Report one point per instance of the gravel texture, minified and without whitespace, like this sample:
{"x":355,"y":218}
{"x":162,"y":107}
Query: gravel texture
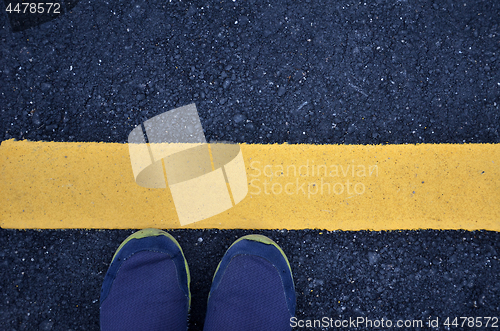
{"x":345,"y":72}
{"x":348,"y":72}
{"x":51,"y":279}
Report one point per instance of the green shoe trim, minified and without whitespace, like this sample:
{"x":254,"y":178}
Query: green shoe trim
{"x":262,"y":239}
{"x":154,"y":233}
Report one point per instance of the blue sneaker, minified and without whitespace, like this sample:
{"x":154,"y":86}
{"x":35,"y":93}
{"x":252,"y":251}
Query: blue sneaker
{"x":252,"y":288}
{"x":147,"y":285}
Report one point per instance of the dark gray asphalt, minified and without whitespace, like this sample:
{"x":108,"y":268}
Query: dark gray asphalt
{"x":259,"y":72}
{"x":52,"y":279}
{"x":340,"y":72}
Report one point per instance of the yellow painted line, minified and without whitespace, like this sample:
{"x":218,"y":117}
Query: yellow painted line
{"x":49,"y":185}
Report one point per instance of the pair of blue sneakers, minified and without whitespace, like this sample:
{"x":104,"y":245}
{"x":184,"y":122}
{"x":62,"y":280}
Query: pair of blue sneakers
{"x":147,"y":286}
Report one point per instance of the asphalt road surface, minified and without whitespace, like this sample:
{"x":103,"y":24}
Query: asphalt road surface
{"x":339,"y":72}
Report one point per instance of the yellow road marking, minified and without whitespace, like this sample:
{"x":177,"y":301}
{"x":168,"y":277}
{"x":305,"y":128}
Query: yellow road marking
{"x":49,"y":185}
